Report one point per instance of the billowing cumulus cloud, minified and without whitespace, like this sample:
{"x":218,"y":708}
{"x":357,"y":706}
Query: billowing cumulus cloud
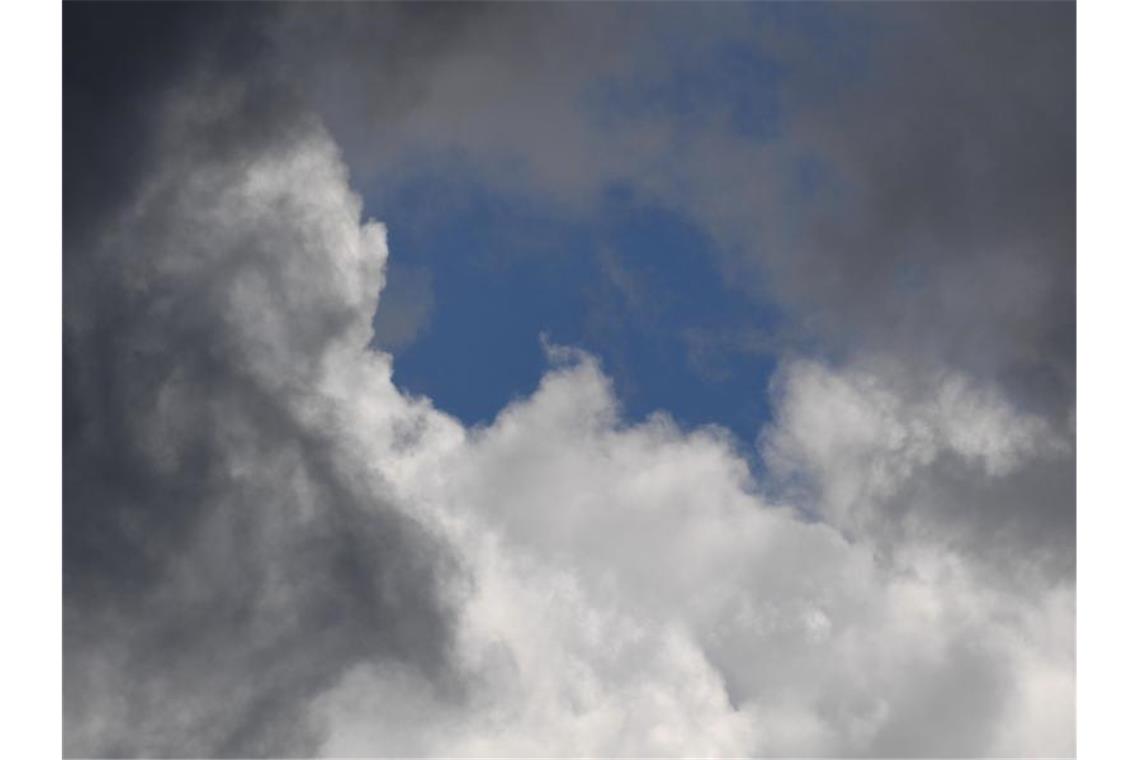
{"x":332,"y":566}
{"x":636,"y":592}
{"x":271,"y":550}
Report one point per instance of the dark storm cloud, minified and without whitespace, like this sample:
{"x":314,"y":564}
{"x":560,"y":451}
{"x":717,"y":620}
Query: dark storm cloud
{"x":224,"y":561}
{"x":119,"y":59}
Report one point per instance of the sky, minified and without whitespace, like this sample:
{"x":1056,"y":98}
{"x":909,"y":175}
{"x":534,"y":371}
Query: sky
{"x":634,"y":284}
{"x":569,"y":379}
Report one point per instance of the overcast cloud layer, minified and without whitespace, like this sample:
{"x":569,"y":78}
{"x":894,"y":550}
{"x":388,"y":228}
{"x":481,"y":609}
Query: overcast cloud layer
{"x":270,"y":550}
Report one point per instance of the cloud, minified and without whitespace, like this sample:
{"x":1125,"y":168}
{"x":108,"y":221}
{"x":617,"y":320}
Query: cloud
{"x":634,"y":592}
{"x":227,"y":556}
{"x":941,"y":213}
{"x":280,"y":549}
{"x":405,"y":312}
{"x":891,"y":453}
{"x":911,"y":189}
{"x":270,"y":550}
{"x":914,"y":194}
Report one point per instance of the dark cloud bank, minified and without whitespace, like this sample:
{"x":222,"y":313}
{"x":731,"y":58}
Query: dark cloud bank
{"x":204,"y":606}
{"x":269,"y":551}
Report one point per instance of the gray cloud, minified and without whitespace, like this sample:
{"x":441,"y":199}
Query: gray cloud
{"x":951,"y":230}
{"x":226,"y":558}
{"x":915,"y":197}
{"x":406,"y":312}
{"x":268,"y":550}
{"x":915,"y":193}
{"x":891,"y":455}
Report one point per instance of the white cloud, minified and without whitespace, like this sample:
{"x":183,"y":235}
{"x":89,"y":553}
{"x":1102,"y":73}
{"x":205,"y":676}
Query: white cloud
{"x":633,"y":592}
{"x":624,"y":588}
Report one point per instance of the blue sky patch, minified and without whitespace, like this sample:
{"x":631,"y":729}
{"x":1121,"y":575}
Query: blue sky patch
{"x":637,"y":285}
